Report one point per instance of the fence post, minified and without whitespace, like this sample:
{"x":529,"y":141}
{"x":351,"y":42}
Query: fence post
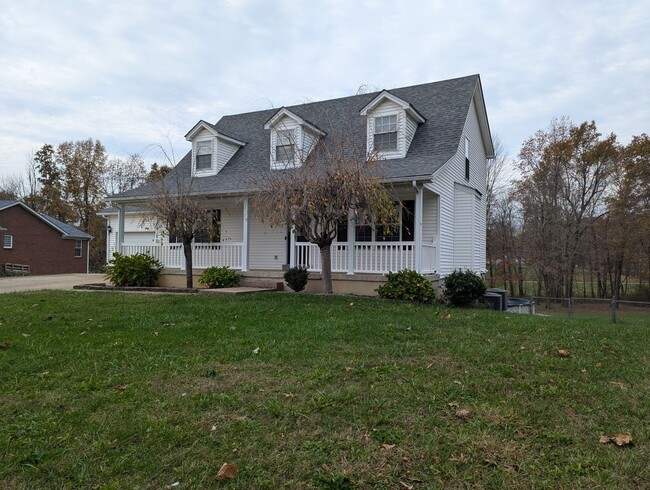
{"x":570,"y":306}
{"x":614,"y":308}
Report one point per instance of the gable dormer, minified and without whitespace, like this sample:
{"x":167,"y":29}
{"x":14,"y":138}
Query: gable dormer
{"x":211,"y":149}
{"x":391,"y":125}
{"x":292,"y":139}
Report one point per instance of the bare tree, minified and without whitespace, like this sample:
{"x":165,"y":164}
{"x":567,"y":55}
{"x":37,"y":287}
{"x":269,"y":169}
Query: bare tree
{"x":177,"y":210}
{"x":337,"y":177}
{"x":124,"y":174}
{"x":11,"y":186}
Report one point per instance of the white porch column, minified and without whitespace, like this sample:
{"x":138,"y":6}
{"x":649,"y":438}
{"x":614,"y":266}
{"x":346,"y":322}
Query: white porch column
{"x":292,"y":247}
{"x":352,"y":227}
{"x":244,"y":250}
{"x":419,"y":206}
{"x":119,"y":239}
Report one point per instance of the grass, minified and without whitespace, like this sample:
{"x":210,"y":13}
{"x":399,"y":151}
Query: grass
{"x":110,"y":390}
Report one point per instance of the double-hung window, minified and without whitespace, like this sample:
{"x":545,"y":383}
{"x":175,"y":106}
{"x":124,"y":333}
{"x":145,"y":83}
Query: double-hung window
{"x":203,"y":155}
{"x":8,"y":241}
{"x":285,"y":148}
{"x":466,"y":158}
{"x":385,"y":135}
{"x":78,"y":248}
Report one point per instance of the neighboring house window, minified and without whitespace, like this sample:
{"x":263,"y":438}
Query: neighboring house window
{"x":466,"y":158}
{"x":385,"y":136}
{"x":203,"y":155}
{"x":210,"y":232}
{"x":8,"y":241}
{"x":78,"y":248}
{"x":285,"y":148}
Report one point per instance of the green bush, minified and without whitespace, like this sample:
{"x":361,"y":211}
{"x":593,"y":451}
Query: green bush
{"x":407,"y":285}
{"x":133,"y":270}
{"x":219,"y":277}
{"x":296,"y":278}
{"x":463,"y":287}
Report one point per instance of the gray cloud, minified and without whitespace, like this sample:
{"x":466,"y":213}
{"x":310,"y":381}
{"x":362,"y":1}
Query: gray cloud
{"x":137,"y":74}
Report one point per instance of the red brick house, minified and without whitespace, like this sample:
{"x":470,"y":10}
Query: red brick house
{"x":45,"y":244}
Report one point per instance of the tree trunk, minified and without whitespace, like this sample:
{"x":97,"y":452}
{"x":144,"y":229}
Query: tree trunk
{"x":326,"y":268}
{"x":187,"y":252}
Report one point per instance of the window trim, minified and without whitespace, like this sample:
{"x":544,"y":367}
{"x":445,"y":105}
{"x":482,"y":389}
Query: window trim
{"x":197,"y":146}
{"x":10,"y":241}
{"x":290,"y":135}
{"x":78,"y":249}
{"x":396,"y":132}
{"x":467,"y":166}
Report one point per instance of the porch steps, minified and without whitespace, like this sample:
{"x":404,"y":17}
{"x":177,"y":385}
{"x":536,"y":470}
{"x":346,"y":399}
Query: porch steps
{"x":263,"y":279}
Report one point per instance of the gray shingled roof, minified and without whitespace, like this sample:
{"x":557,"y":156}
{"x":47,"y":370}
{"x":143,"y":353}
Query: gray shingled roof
{"x":67,"y":230}
{"x":444,"y":104}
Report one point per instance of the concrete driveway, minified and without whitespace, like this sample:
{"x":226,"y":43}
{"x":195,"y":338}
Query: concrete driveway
{"x":56,"y":281}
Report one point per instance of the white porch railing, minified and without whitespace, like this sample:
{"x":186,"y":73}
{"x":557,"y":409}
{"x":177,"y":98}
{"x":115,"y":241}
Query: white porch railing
{"x":369,"y":257}
{"x":203,"y":254}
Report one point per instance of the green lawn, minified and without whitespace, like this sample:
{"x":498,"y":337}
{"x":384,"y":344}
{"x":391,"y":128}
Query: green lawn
{"x":111,"y":390}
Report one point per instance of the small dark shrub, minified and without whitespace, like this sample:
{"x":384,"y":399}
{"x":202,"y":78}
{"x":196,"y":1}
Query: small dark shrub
{"x":219,"y":277}
{"x":463,"y":287}
{"x":133,"y":270}
{"x":407,"y":285}
{"x":296,"y":278}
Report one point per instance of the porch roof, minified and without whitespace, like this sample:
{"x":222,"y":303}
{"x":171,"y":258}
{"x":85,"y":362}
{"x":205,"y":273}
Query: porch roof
{"x":443,"y":104}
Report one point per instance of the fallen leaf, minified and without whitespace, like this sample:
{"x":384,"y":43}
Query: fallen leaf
{"x":622,"y":439}
{"x":290,"y":395}
{"x":519,"y":435}
{"x":174,"y":485}
{"x":404,"y":485}
{"x":570,"y":412}
{"x":156,"y":334}
{"x":620,"y":384}
{"x":26,"y":335}
{"x":256,"y":350}
{"x":430,"y":365}
{"x":47,"y":318}
{"x":458,"y":459}
{"x":446,"y":315}
{"x":618,"y":439}
{"x":348,"y":369}
{"x":452,"y":405}
{"x":214,"y":427}
{"x":462,"y":414}
{"x":563,"y":353}
{"x":121,"y":387}
{"x":228,"y":470}
{"x":388,"y":447}
{"x":34,"y":305}
{"x":351,"y":304}
{"x":5,"y":345}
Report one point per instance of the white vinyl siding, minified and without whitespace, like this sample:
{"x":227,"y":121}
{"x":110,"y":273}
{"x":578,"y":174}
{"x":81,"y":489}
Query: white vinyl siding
{"x":411,"y":127}
{"x":464,"y":225}
{"x":268,"y":246}
{"x":225,"y":152}
{"x":430,"y":218}
{"x":443,"y":184}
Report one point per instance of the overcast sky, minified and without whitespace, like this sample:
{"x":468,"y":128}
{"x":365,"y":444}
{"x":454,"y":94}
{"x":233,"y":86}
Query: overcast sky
{"x":141,"y":73}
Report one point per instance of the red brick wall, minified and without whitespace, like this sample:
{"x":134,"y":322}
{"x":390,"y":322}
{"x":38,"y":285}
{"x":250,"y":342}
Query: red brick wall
{"x":38,"y":245}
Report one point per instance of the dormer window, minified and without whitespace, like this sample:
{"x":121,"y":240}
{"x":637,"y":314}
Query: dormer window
{"x":391,"y":125}
{"x":292,"y":139}
{"x":385,"y":137}
{"x":285,"y":147}
{"x":203,"y":155}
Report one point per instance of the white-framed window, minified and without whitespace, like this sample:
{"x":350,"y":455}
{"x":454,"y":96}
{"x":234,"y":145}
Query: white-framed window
{"x":78,"y":248}
{"x":8,"y":241}
{"x":385,"y":133}
{"x":285,"y":146}
{"x":467,"y":158}
{"x":203,"y":158}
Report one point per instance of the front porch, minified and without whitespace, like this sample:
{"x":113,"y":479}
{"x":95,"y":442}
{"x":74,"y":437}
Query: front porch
{"x":360,"y":258}
{"x":245,"y":243}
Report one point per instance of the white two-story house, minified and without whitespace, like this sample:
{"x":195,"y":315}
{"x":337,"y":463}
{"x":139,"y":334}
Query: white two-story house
{"x":433,"y":139}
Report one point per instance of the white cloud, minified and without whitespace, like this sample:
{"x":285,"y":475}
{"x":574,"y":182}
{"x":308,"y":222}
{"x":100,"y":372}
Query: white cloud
{"x":133,"y":74}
